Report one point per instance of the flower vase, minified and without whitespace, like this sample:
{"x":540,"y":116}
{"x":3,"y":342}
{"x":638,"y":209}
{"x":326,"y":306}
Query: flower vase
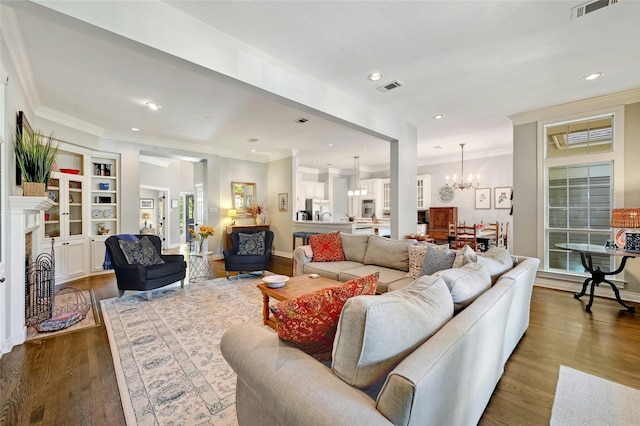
{"x":200,"y":243}
{"x":258,"y":220}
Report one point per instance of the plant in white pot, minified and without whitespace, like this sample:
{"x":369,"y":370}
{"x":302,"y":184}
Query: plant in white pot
{"x":35,"y":159}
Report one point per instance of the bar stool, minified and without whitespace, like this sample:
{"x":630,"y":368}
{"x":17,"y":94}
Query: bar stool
{"x":302,"y":236}
{"x":306,"y":237}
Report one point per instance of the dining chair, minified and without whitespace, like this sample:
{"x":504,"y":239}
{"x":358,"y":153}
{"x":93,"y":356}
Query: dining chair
{"x":465,"y":235}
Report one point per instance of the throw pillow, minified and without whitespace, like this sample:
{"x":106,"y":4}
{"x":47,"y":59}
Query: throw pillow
{"x":251,"y":244}
{"x":495,"y":266}
{"x":327,"y":247}
{"x":436,"y":260}
{"x":140,"y":252}
{"x":377,"y":332}
{"x":309,"y":321}
{"x":389,"y":253}
{"x":416,"y":257}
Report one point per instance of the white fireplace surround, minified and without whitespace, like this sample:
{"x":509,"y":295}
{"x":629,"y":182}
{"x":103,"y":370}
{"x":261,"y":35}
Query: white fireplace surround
{"x":26,"y":216}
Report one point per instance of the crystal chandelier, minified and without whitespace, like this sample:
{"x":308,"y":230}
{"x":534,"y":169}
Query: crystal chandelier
{"x":462,"y":184}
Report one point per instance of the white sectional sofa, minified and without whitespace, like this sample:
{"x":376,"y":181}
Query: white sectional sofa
{"x":446,"y":379}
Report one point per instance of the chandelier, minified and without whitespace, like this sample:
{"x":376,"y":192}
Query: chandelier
{"x":462,"y":184}
{"x":357,"y":190}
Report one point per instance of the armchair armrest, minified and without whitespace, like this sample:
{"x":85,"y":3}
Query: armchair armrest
{"x":300,"y":258}
{"x":130,"y":273}
{"x":292,"y":386}
{"x":172,"y":257}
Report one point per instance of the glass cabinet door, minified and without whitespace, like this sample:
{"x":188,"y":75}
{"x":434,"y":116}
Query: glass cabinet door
{"x":52,"y":217}
{"x":75,"y":209}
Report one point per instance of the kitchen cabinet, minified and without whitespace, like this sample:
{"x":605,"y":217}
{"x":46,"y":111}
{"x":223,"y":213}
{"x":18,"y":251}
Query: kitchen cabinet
{"x":70,"y":258}
{"x":313,"y":190}
{"x":424,"y":192}
{"x":439,"y":220}
{"x":386,"y":194}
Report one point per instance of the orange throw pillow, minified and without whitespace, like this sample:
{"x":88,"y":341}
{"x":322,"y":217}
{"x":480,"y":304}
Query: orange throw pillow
{"x":309,"y":322}
{"x":327,"y":247}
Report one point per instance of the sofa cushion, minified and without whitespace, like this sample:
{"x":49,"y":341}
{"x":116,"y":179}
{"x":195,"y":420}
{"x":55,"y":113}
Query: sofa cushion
{"x":251,"y":244}
{"x":465,"y":283}
{"x":387,"y":275}
{"x":354,"y":246}
{"x":330,"y":269}
{"x":327,"y":247}
{"x":141,"y":252}
{"x":376,"y":332}
{"x":416,"y":257}
{"x":393,"y":254}
{"x":436,"y":260}
{"x":497,"y":261}
{"x":309,"y":321}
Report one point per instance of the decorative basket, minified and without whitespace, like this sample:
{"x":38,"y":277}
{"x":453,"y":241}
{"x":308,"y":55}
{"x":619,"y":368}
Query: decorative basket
{"x":33,"y":189}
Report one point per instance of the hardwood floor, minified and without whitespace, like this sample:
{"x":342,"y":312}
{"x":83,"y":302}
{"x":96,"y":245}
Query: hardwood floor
{"x":70,"y":379}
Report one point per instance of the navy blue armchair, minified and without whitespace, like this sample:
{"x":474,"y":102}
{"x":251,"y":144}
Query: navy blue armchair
{"x":233,"y":261}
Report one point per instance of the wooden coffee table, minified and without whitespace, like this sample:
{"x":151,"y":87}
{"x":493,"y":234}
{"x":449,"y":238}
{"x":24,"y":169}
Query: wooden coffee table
{"x":296,"y":286}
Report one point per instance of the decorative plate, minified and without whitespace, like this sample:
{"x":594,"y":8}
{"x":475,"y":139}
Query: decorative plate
{"x":52,"y":196}
{"x":621,"y":238}
{"x":108,"y":213}
{"x":275,"y":281}
{"x":446,"y":194}
{"x":96,"y":213}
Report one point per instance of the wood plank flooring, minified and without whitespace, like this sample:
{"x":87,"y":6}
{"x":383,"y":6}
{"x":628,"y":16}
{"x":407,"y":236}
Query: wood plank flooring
{"x":70,"y":379}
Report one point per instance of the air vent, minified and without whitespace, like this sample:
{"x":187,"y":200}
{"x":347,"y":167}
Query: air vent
{"x":302,"y":120}
{"x":390,"y":86}
{"x":592,"y":6}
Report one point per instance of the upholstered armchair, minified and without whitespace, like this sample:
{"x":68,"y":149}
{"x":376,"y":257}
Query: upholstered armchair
{"x":250,"y":251}
{"x":137,"y":276}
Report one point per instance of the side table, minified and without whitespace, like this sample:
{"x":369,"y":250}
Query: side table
{"x":199,"y":266}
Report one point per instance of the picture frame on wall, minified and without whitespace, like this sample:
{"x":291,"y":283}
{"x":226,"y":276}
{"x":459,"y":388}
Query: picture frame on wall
{"x":483,"y":198}
{"x":502,"y":198}
{"x":174,"y":204}
{"x":146,"y":203}
{"x":283,"y":202}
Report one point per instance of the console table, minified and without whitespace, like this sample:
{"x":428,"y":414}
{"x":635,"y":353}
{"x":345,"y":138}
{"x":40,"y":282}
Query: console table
{"x":598,"y":276}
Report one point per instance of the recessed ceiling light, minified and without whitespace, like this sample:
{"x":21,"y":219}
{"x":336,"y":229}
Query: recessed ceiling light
{"x":437,"y":147}
{"x":153,"y":106}
{"x":438,"y":117}
{"x":593,"y":76}
{"x":375,"y":76}
{"x":135,"y":129}
{"x":330,"y":144}
{"x":253,"y":150}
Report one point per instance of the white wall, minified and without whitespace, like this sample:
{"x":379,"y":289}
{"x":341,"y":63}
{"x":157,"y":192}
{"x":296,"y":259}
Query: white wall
{"x":280,"y":177}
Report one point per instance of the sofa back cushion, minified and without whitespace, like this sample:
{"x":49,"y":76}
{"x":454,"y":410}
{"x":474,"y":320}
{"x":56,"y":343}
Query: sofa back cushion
{"x":497,"y":261}
{"x":354,"y":246}
{"x":376,"y":332}
{"x":309,"y":321}
{"x":388,"y":253}
{"x":465,"y":283}
{"x":327,"y":247}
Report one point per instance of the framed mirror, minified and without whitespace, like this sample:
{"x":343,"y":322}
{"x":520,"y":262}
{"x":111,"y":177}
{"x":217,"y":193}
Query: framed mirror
{"x":243,"y":197}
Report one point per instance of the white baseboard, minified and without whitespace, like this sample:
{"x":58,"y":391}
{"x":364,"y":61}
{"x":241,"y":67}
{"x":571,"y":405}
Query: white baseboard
{"x":288,"y":255}
{"x":603,"y":290}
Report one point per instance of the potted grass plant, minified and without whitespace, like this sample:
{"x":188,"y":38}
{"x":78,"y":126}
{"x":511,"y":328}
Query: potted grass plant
{"x":35,"y":159}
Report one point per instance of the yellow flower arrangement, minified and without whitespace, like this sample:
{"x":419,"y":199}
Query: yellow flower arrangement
{"x":203,"y":233}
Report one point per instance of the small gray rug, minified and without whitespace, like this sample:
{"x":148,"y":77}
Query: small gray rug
{"x":166,"y":351}
{"x":583,"y":399}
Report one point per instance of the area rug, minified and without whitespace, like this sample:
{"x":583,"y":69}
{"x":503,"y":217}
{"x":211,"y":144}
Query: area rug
{"x":92,"y":318}
{"x":166,"y":351}
{"x":583,"y":399}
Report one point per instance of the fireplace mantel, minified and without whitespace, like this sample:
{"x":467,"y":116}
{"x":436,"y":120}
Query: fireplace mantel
{"x":25,"y":217}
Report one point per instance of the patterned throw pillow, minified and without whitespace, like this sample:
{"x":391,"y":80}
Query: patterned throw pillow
{"x":251,"y":244}
{"x":416,"y":257}
{"x":327,"y":247}
{"x":140,"y":252}
{"x":309,"y":322}
{"x":436,"y":260}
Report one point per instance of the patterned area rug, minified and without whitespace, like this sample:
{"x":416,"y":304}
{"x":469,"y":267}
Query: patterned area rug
{"x":166,"y":352}
{"x":583,"y":399}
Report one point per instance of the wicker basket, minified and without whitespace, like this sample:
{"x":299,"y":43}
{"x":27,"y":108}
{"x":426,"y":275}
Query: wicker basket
{"x":33,"y":189}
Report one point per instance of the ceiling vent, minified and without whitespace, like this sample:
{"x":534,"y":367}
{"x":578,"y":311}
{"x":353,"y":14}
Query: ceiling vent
{"x":592,"y":6}
{"x":390,"y":86}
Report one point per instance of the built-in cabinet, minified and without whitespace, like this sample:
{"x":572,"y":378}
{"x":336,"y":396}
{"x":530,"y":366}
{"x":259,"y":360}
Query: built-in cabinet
{"x":309,"y":189}
{"x":85,"y":212}
{"x":424,"y":192}
{"x":380,"y":191}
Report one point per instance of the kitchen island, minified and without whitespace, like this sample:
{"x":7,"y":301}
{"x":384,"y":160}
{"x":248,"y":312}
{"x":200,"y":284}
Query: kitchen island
{"x":356,"y":227}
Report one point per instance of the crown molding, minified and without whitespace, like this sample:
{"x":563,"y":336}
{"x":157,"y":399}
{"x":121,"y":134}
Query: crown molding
{"x":59,"y":117}
{"x":11,"y":33}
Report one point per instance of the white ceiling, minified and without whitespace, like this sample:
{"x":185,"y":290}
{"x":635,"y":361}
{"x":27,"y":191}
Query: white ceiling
{"x":476,"y":62}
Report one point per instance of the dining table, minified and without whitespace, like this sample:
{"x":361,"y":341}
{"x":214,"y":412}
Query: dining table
{"x":598,"y":276}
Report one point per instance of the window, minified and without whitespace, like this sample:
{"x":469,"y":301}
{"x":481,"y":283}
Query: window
{"x":579,"y":169}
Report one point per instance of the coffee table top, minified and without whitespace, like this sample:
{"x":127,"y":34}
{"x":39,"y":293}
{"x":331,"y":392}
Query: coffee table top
{"x":297,"y":286}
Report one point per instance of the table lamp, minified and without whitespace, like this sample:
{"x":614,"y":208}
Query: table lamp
{"x":232,"y":213}
{"x":146,"y":216}
{"x":629,"y":221}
